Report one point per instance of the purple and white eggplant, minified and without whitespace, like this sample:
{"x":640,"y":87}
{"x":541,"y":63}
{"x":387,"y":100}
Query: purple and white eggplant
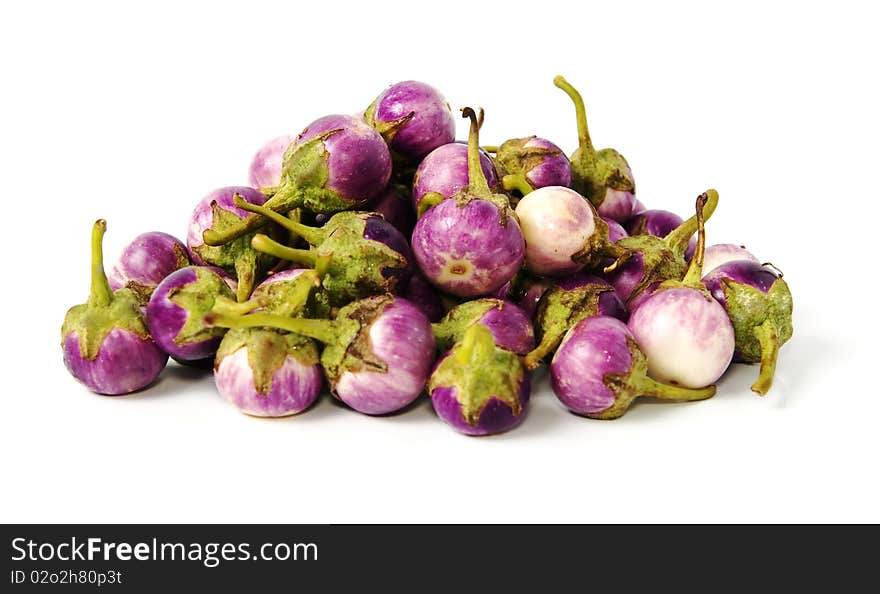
{"x":616,"y":232}
{"x":414,"y":118}
{"x":562,"y":232}
{"x":526,"y":164}
{"x":685,"y":334}
{"x":598,"y":370}
{"x":444,"y":173}
{"x":509,"y":325}
{"x":144,"y":262}
{"x":722,"y":253}
{"x":176,"y":310}
{"x":759,"y":305}
{"x":105,"y":342}
{"x":217,"y":212}
{"x":478,"y":387}
{"x":378,"y":351}
{"x":265,"y":169}
{"x":654,"y":260}
{"x":357,"y":254}
{"x":337,"y":163}
{"x":603,"y":177}
{"x":569,"y":301}
{"x":471,"y":244}
{"x":659,"y":223}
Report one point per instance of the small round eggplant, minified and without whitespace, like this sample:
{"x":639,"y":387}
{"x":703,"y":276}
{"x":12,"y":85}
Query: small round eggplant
{"x":265,"y":169}
{"x":526,"y":164}
{"x":759,"y":304}
{"x":105,"y":342}
{"x":478,"y":387}
{"x":722,"y":253}
{"x":599,"y":370}
{"x":394,"y":204}
{"x":146,"y":261}
{"x":511,"y":328}
{"x":444,"y":173}
{"x":659,"y":223}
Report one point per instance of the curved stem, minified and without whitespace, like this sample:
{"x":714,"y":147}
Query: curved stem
{"x":768,"y":336}
{"x":428,"y":201}
{"x":549,"y":342}
{"x":695,"y":269}
{"x":476,"y":179}
{"x":476,"y":344}
{"x":226,"y":306}
{"x":678,"y":238}
{"x":285,"y":199}
{"x":584,"y":140}
{"x":490,"y":148}
{"x":518,"y":182}
{"x":323,"y":330}
{"x":264,"y":244}
{"x":645,"y":386}
{"x":310,"y":234}
{"x":246,"y":274}
{"x":101,"y":294}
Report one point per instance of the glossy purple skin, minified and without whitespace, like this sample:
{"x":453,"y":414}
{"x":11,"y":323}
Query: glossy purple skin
{"x":265,"y":169}
{"x":552,"y":171}
{"x":721,"y":253}
{"x":378,"y":229}
{"x":610,"y":303}
{"x":432,"y":124}
{"x":421,"y":294}
{"x":532,"y":296}
{"x":358,"y":160}
{"x":147,"y":260}
{"x":617,"y":205}
{"x":125,"y":363}
{"x":616,"y":231}
{"x":294,"y":386}
{"x":496,"y":417}
{"x":465,"y":250}
{"x":744,"y":272}
{"x":591,"y":349}
{"x":203,"y":215}
{"x":396,"y":208}
{"x":511,"y":328}
{"x":402,"y":337}
{"x":445,"y":171}
{"x":627,"y":276}
{"x":165,"y":319}
{"x":638,"y":206}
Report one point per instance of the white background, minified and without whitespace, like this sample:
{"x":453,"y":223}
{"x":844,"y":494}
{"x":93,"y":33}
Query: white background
{"x":133,"y":114}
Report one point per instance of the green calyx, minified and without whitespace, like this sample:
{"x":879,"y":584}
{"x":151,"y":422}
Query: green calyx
{"x":692,"y":278}
{"x":627,"y":387}
{"x":105,"y":309}
{"x":453,"y":326}
{"x":198,"y":299}
{"x":558,"y":311}
{"x":237,"y":256}
{"x":761,"y":324}
{"x":388,"y":130}
{"x":478,"y":187}
{"x":514,"y":160}
{"x":267,"y":351}
{"x":593,"y":172}
{"x":597,"y":247}
{"x":478,"y":370}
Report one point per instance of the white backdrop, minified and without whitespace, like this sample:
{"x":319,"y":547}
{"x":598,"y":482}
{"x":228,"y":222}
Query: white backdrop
{"x":133,"y":114}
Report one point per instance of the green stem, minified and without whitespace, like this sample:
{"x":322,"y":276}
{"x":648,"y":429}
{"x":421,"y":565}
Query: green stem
{"x":286,"y":199}
{"x":549,"y":342}
{"x":246,"y":274}
{"x":645,"y":386}
{"x":428,"y":201}
{"x":476,"y":344}
{"x":678,"y":239}
{"x":323,"y":330}
{"x":101,"y":294}
{"x":477,"y":183}
{"x":263,"y":243}
{"x":490,"y":148}
{"x":224,"y":305}
{"x":518,"y":182}
{"x":584,"y":140}
{"x":695,"y":269}
{"x":310,"y":234}
{"x":768,"y":336}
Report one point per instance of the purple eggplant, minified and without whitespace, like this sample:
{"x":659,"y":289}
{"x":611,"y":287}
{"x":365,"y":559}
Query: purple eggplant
{"x":722,"y":253}
{"x":616,"y":232}
{"x":659,"y":223}
{"x":424,"y":296}
{"x":598,"y":370}
{"x":478,"y":387}
{"x":526,"y":164}
{"x":759,"y":305}
{"x":511,"y":328}
{"x":603,"y":177}
{"x":414,"y":118}
{"x":219,"y":211}
{"x":562,"y":232}
{"x":378,"y":351}
{"x":105,"y":342}
{"x":394,"y":204}
{"x":655,"y":259}
{"x":685,"y":334}
{"x":569,"y":301}
{"x":265,"y":169}
{"x":337,"y":163}
{"x":444,"y":173}
{"x":176,"y":310}
{"x":357,"y":253}
{"x":144,"y":262}
{"x":469,"y":245}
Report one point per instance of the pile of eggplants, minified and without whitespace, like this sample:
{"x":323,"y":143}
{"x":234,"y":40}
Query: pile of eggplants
{"x":374,"y":257}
